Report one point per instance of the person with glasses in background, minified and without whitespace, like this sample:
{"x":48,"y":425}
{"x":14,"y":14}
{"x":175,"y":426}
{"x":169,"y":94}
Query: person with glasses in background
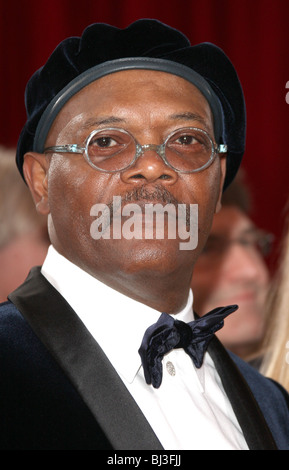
{"x":100,"y":347}
{"x":232,"y":266}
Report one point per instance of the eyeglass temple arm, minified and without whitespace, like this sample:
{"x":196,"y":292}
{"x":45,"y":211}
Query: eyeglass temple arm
{"x":70,"y":148}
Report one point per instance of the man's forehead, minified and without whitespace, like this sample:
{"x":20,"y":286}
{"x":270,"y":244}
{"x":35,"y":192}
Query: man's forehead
{"x":124,"y":79}
{"x":111,"y":99}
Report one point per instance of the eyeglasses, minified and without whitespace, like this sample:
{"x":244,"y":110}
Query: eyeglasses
{"x":186,"y":150}
{"x":258,"y":240}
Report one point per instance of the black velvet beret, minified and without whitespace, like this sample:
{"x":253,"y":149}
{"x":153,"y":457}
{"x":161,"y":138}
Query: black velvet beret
{"x":145,"y":44}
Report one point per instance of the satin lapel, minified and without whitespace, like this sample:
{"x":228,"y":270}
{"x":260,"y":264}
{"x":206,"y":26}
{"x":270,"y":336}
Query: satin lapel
{"x":248,"y":413}
{"x":84,"y":362}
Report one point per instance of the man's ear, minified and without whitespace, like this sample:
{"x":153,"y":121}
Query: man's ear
{"x":35,"y":169}
{"x":223,"y":159}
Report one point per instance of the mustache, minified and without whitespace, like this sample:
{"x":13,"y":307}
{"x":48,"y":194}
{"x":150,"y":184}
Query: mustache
{"x":158,"y":194}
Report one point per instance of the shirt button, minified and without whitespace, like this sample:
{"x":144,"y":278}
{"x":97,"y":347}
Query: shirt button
{"x":170,"y":368}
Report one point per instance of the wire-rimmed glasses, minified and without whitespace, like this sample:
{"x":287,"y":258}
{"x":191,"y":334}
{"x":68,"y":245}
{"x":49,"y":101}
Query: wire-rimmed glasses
{"x":110,"y":150}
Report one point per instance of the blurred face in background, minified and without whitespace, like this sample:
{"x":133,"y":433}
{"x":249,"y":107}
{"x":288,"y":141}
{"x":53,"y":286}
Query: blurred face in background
{"x":232,"y":270}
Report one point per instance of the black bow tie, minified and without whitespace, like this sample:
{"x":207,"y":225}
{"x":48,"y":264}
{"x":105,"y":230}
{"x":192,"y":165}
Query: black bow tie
{"x":167,"y":334}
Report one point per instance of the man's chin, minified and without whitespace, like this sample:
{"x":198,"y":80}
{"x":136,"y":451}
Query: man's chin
{"x":158,"y":255}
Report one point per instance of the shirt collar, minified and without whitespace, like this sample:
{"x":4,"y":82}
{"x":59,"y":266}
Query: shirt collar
{"x":116,"y":321}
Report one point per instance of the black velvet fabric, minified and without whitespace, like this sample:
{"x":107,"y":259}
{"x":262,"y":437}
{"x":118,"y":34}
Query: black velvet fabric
{"x":144,"y":38}
{"x":39,"y":407}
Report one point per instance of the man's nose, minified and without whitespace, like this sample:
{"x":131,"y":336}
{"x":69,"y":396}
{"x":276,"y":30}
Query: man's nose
{"x":149,"y":167}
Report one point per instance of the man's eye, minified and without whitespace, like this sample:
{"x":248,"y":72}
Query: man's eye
{"x":186,"y":140}
{"x":247,"y":242}
{"x":189,"y":141}
{"x":104,"y":142}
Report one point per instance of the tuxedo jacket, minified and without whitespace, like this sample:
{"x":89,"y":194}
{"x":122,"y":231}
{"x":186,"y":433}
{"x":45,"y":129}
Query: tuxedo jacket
{"x":58,"y":391}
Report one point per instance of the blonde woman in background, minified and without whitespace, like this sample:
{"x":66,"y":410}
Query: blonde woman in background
{"x":276,"y":344}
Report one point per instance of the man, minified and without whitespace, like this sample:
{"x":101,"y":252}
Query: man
{"x":232,"y":267}
{"x":118,"y":121}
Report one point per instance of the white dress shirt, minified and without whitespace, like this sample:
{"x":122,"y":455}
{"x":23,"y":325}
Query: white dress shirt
{"x":190,"y":410}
